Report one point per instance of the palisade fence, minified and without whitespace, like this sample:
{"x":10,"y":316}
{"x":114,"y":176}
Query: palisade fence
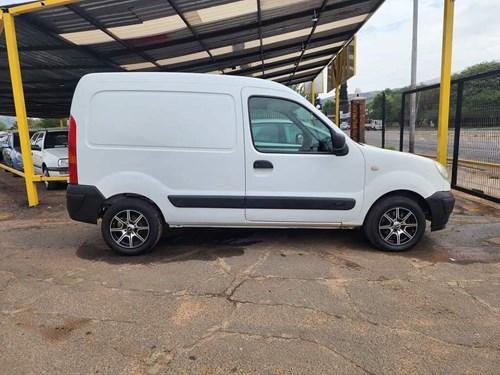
{"x":474,"y":131}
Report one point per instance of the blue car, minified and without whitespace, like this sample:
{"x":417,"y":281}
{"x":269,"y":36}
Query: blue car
{"x":11,"y":151}
{"x":3,"y":139}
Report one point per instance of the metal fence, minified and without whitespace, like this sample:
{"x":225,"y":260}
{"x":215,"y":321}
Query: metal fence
{"x":386,"y":129}
{"x":474,"y":131}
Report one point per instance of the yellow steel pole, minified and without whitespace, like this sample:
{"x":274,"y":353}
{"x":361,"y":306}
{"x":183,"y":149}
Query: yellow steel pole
{"x":312,"y":92}
{"x":22,"y":120}
{"x":38,"y":5}
{"x":337,"y":105}
{"x":355,"y":52}
{"x":444,"y":92}
{"x":61,"y":123}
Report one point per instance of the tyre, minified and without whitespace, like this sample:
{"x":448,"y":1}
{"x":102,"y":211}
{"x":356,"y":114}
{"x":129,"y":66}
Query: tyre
{"x":49,"y":185}
{"x":132,"y":226}
{"x":395,"y":223}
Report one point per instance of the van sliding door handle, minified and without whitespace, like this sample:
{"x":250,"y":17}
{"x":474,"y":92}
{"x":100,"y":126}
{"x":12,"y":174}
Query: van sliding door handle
{"x":262,"y":164}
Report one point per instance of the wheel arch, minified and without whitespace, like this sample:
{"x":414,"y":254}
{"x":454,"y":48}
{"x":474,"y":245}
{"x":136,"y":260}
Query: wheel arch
{"x":408,"y":194}
{"x":119,"y":197}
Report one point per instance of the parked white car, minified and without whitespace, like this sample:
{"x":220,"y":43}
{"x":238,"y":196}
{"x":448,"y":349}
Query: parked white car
{"x":374,"y":125}
{"x":148,"y":151}
{"x":344,"y":126}
{"x":49,"y":150}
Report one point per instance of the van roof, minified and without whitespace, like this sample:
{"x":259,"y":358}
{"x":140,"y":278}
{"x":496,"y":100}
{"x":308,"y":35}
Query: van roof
{"x":196,"y":78}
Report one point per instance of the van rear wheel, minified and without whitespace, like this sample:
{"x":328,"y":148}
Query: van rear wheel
{"x":395,"y":223}
{"x":132,"y":226}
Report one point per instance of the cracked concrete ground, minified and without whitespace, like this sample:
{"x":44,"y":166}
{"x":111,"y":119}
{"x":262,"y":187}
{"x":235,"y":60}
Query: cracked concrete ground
{"x":223,"y":301}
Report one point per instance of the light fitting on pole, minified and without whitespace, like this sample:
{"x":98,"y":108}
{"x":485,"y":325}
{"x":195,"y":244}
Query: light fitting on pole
{"x":314,"y":17}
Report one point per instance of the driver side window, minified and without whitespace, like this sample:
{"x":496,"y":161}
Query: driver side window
{"x":39,"y":141}
{"x":283,"y":126}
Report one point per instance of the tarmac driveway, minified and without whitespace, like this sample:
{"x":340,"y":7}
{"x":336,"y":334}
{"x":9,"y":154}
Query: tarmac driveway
{"x":210,"y":301}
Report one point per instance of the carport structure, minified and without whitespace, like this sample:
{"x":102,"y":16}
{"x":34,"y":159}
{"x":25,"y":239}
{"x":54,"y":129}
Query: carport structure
{"x":55,"y":42}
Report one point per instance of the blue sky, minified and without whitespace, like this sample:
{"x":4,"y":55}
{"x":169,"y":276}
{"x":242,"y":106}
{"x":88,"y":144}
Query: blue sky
{"x":384,"y":43}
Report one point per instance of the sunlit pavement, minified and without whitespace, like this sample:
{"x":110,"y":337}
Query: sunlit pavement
{"x":219,"y":301}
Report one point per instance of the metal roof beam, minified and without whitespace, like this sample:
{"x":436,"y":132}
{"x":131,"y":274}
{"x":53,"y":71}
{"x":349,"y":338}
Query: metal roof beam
{"x":43,"y":48}
{"x":87,"y":17}
{"x":193,"y":31}
{"x":236,"y":60}
{"x":265,"y":23}
{"x":310,"y":37}
{"x":58,"y":67}
{"x":259,"y":20}
{"x":296,"y":80}
{"x":36,"y":6}
{"x":326,"y":54}
{"x":305,"y":67}
{"x":89,"y":52}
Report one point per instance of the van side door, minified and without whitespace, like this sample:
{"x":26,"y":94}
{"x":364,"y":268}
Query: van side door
{"x":292,"y":175}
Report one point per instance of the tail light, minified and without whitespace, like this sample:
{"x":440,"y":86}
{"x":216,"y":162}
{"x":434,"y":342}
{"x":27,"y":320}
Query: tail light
{"x":73,"y":172}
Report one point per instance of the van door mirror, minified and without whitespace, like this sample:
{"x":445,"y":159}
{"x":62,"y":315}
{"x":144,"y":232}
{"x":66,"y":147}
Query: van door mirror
{"x":340,"y":147}
{"x":35,"y":148}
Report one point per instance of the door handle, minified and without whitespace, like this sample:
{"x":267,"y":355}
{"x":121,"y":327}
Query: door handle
{"x":262,"y":164}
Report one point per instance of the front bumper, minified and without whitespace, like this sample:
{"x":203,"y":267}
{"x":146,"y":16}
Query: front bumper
{"x":84,"y":203}
{"x":440,"y":206}
{"x":58,"y":171}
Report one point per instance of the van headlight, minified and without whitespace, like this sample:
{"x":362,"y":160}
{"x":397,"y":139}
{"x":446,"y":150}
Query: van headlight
{"x":62,"y":162}
{"x":442,"y":170}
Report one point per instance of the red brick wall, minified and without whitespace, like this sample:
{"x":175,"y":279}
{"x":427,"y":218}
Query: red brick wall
{"x":358,"y":107}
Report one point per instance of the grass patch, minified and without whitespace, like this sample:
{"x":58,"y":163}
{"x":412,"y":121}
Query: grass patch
{"x":390,"y":148}
{"x":495,"y":177}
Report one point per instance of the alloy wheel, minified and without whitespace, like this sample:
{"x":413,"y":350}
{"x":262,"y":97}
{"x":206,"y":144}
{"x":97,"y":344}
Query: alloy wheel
{"x":398,"y":226}
{"x":129,"y":229}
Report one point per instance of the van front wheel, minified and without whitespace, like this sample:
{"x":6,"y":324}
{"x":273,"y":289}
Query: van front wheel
{"x":131,"y":226}
{"x":395,"y":223}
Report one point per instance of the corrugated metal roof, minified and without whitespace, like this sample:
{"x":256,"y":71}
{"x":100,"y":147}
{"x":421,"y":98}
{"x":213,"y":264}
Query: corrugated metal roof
{"x":289,"y":41}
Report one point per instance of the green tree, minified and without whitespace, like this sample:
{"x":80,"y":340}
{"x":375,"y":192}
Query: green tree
{"x":329,"y":107}
{"x":31,"y":124}
{"x":392,"y":106}
{"x":480,"y":96}
{"x":48,"y":123}
{"x":482,"y":67}
{"x":3,"y":127}
{"x":479,"y":108}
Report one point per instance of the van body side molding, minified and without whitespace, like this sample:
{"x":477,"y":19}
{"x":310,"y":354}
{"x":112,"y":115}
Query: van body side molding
{"x":207,"y":201}
{"x":283,"y":203}
{"x":300,"y":203}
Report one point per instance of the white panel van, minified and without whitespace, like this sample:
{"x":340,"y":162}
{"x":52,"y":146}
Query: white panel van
{"x":148,"y":151}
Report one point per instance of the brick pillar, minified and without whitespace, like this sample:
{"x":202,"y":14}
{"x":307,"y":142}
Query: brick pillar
{"x":358,"y":106}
